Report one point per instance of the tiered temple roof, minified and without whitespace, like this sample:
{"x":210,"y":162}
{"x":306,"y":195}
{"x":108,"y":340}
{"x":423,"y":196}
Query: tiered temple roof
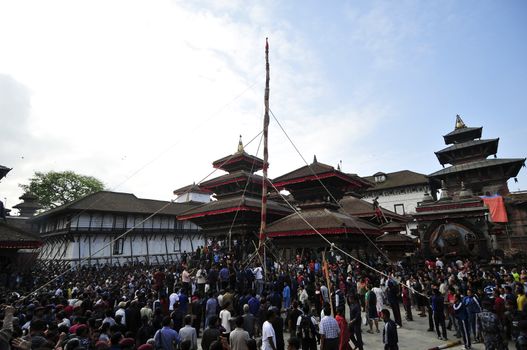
{"x":237,"y":205}
{"x":467,"y":155}
{"x":309,"y":185}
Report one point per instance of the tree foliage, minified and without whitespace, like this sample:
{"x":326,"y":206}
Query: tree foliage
{"x":55,"y":188}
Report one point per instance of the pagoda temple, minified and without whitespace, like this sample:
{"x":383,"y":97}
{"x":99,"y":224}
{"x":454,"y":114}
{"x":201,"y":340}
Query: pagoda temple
{"x":468,"y":154}
{"x":468,"y":219}
{"x":309,"y":185}
{"x":234,"y":213}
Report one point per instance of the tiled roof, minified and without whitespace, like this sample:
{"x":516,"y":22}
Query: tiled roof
{"x":3,"y":171}
{"x":359,"y":207}
{"x":321,"y":219}
{"x":517,"y":162}
{"x":463,"y":134}
{"x":119,"y":202}
{"x":191,"y":188}
{"x":229,"y":177}
{"x":243,"y":157}
{"x":317,"y":168}
{"x":395,"y":237}
{"x":223,"y":204}
{"x":14,"y":237}
{"x":468,"y":144}
{"x":398,"y":179}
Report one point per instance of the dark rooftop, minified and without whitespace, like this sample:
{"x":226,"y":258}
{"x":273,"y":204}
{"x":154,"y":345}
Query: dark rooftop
{"x":321,"y":219}
{"x":237,"y":161}
{"x":212,"y":183}
{"x":359,"y":207}
{"x":397,"y":179}
{"x":3,"y":171}
{"x":317,"y":169}
{"x":119,"y":202}
{"x":463,"y":134}
{"x":14,"y":237}
{"x":233,"y":203}
{"x":191,"y":188}
{"x":517,"y":162}
{"x":468,"y":144}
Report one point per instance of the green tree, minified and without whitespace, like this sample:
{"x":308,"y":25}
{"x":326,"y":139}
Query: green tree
{"x":55,"y":188}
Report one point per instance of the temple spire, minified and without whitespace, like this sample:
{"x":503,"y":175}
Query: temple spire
{"x":314,"y":158}
{"x":459,"y":122}
{"x":240,"y":145}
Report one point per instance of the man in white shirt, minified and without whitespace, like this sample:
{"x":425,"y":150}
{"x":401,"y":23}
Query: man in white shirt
{"x":302,"y":295}
{"x":325,"y":293}
{"x":121,"y":312}
{"x":173,"y":299}
{"x":201,"y":277}
{"x":225,"y":317}
{"x":258,"y":279}
{"x":380,"y":298}
{"x":268,"y":335}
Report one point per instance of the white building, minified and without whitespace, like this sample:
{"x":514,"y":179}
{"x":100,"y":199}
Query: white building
{"x":192,"y":193}
{"x":84,"y":231}
{"x":399,"y":191}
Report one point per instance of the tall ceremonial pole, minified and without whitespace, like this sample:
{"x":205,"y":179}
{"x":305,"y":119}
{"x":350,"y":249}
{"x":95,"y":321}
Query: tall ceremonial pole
{"x":265,"y":161}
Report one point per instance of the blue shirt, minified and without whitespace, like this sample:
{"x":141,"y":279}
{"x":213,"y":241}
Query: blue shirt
{"x":212,"y":307}
{"x":166,"y":337}
{"x":254,"y":306}
{"x":183,"y":303}
{"x":286,"y":292}
{"x":224,"y":274}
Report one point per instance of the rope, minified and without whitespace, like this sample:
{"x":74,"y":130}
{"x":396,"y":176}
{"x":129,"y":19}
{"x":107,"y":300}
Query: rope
{"x":126,"y":232}
{"x":243,"y":193}
{"x":155,"y":158}
{"x":333,"y":246}
{"x":325,"y":188}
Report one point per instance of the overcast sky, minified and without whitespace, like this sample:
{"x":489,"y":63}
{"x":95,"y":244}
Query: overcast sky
{"x":144,"y":95}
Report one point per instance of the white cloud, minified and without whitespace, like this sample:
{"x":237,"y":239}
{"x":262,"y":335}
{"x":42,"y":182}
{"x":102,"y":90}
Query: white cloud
{"x":145,"y":95}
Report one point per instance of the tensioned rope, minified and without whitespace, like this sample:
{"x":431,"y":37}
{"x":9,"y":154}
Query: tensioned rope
{"x":156,"y":157}
{"x":324,"y":186}
{"x":126,"y":232}
{"x":334,"y":246}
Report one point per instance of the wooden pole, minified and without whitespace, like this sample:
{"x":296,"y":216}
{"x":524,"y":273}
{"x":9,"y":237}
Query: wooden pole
{"x":261,"y":246}
{"x":328,"y":282}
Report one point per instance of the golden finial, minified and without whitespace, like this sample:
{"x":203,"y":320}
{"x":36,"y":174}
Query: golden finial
{"x":459,"y":123}
{"x":240,"y":145}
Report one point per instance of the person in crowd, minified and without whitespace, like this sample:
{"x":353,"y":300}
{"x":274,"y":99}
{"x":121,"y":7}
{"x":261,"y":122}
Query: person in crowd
{"x":329,"y":331}
{"x":462,"y":318}
{"x":306,"y":329}
{"x":489,"y":324}
{"x":211,"y":334}
{"x":437,"y":303}
{"x":371,"y":310}
{"x":389,"y":332}
{"x":355,"y":323}
{"x":344,"y":336}
{"x":166,"y":338}
{"x":189,"y":333}
{"x":239,"y":337}
{"x":268,"y":334}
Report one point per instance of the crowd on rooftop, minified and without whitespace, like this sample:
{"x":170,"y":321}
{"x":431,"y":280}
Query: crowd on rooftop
{"x":214,"y":300}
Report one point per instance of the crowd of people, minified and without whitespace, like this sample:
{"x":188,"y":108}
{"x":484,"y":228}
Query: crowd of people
{"x":227,"y":303}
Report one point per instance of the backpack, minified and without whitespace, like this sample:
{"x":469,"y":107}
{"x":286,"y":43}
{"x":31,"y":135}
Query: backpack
{"x":307,"y":329}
